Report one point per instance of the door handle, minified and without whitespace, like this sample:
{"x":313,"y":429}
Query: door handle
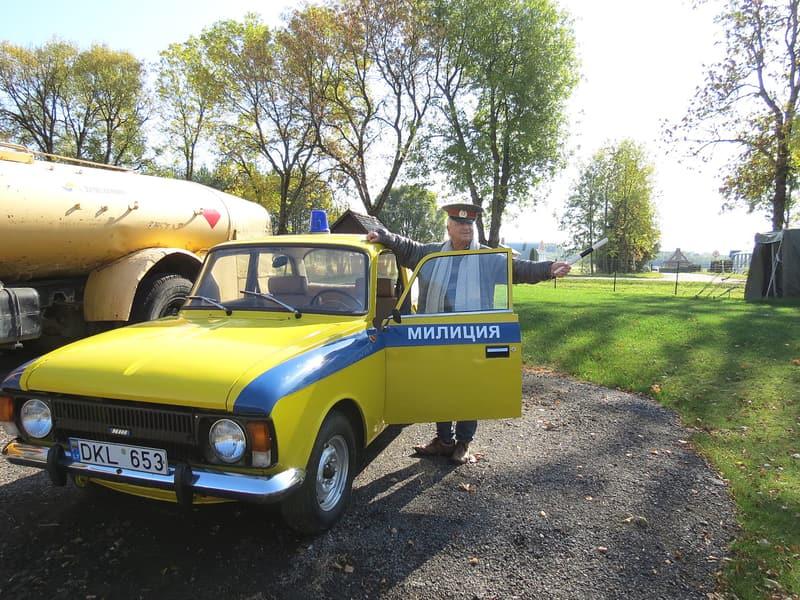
{"x":498,"y":351}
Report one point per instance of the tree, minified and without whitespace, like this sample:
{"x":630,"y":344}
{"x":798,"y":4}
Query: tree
{"x":263,"y":116}
{"x":188,"y":95}
{"x":89,"y":104}
{"x":33,"y":84}
{"x":586,"y":210}
{"x":506,"y":70}
{"x":79,"y":105}
{"x":613,"y":198}
{"x":749,"y":99}
{"x":247,"y":181}
{"x":412,"y":212}
{"x":368,"y":78}
{"x":122,"y":107}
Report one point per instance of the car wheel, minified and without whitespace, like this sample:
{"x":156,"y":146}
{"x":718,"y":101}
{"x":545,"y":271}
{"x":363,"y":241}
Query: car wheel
{"x":322,"y":498}
{"x":160,"y":296}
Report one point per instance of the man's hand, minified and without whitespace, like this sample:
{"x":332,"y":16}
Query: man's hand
{"x":373,"y":236}
{"x":559,"y":269}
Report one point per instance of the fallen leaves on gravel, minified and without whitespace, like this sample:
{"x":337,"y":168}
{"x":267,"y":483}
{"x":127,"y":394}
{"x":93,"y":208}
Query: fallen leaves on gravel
{"x":467,"y":487}
{"x":473,"y":560}
{"x":602,"y":549}
{"x":636,"y":520}
{"x":343,"y":566}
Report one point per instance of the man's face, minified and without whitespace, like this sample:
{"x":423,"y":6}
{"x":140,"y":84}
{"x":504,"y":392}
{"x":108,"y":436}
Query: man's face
{"x":460,"y":234}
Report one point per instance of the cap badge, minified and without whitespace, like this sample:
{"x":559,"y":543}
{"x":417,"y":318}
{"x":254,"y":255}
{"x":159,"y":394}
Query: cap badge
{"x":462,"y":213}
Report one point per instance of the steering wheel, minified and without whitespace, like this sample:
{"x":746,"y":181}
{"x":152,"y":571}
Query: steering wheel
{"x":343,"y":300}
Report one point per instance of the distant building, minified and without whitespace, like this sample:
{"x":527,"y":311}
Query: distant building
{"x":678,"y":262}
{"x":353,"y":222}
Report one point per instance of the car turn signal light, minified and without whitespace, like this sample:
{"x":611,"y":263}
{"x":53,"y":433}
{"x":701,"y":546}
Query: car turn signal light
{"x":259,"y":436}
{"x":260,"y":443}
{"x":6,"y":409}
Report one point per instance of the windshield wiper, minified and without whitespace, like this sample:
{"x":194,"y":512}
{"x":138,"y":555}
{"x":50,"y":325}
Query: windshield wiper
{"x":227,"y":310}
{"x":292,"y":309}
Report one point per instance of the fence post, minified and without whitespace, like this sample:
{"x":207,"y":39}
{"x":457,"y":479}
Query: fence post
{"x":677,"y":270}
{"x":615,"y":280}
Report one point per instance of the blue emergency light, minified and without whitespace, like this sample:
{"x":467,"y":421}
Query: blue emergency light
{"x":319,"y":221}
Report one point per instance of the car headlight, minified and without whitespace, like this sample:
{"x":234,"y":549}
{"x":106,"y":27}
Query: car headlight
{"x":227,"y":440}
{"x":36,"y":418}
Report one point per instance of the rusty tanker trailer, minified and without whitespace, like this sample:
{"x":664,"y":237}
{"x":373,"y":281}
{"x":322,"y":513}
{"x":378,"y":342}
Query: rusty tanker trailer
{"x":84,"y":249}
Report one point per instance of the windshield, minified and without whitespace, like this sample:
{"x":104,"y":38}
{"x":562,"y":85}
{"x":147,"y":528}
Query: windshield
{"x":309,"y":279}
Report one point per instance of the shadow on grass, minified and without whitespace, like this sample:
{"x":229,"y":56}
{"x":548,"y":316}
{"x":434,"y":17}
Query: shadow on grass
{"x":726,"y":367}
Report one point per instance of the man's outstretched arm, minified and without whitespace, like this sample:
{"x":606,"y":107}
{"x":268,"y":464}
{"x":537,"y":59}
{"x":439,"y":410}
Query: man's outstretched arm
{"x":408,"y":252}
{"x":527,"y":271}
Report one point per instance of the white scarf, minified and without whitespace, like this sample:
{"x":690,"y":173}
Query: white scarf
{"x":468,"y":282}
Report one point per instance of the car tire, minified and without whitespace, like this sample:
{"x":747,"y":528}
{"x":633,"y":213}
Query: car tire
{"x":159,"y":296}
{"x":322,"y":498}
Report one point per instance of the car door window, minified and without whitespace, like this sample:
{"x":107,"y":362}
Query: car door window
{"x":462,"y":282}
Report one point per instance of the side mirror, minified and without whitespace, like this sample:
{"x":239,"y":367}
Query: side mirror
{"x":280,"y":261}
{"x":396,"y":316}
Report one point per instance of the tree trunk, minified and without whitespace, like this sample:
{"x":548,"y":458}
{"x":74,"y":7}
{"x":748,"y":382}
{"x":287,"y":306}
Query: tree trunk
{"x":781,"y":176}
{"x":282,"y":213}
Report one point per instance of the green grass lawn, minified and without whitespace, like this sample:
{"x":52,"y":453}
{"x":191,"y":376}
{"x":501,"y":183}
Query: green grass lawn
{"x":645,"y":275}
{"x":727,"y":367}
{"x":729,"y":289}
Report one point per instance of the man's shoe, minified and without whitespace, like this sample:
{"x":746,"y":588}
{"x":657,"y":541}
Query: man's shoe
{"x":461,"y":454}
{"x":436,"y":447}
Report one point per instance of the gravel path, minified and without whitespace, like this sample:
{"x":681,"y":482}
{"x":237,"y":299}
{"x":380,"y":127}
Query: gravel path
{"x":594,"y":493}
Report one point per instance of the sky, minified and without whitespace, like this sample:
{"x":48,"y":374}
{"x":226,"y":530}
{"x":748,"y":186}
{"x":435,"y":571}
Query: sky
{"x":640,"y":63}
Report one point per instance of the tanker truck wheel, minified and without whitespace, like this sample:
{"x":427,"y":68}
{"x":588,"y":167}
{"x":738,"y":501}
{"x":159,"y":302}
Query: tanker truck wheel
{"x":159,"y":296}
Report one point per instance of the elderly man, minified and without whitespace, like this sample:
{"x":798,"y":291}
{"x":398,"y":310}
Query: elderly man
{"x":458,"y":285}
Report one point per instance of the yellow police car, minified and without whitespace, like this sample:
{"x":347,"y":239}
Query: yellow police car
{"x":290,"y":356}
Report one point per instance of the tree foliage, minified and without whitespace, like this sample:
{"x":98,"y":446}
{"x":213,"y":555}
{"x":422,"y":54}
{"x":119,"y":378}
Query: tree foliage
{"x":412,"y":212}
{"x":749,"y":99}
{"x":368,"y":80}
{"x":87,"y":104}
{"x":613,"y":198}
{"x":507,"y":68}
{"x":264,"y":188}
{"x":33,"y":87}
{"x":122,"y":106}
{"x":263,"y":118}
{"x":188,"y":97}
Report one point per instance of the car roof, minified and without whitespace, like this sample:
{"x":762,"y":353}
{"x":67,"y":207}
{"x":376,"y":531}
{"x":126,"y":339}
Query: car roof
{"x":353,"y":240}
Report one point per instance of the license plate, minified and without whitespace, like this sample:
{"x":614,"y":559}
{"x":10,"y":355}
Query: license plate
{"x":150,"y":460}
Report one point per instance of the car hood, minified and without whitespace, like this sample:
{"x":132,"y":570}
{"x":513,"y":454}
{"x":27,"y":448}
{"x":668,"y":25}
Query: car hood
{"x":192,"y":361}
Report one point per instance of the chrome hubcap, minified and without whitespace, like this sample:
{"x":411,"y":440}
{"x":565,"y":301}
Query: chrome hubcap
{"x":332,"y":471}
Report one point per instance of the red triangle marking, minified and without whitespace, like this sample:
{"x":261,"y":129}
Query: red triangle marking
{"x":212,"y":216}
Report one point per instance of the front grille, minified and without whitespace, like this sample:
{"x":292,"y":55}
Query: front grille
{"x":171,"y":429}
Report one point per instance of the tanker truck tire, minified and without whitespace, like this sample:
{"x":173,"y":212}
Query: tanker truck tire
{"x":159,"y":296}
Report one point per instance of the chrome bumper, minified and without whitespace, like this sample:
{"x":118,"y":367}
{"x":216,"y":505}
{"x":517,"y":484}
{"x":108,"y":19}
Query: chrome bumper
{"x":183,"y":480}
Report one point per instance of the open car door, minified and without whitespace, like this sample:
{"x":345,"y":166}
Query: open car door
{"x":456,"y":355}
